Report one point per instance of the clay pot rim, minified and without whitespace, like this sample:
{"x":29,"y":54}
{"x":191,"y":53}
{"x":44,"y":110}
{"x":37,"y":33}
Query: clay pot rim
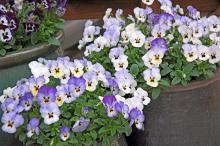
{"x":195,"y":84}
{"x":29,"y":53}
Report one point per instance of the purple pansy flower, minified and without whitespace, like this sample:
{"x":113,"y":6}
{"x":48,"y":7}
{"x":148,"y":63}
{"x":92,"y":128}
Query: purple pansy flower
{"x":19,"y":91}
{"x":79,"y":86}
{"x":30,"y":27}
{"x":9,"y":105}
{"x":112,"y":106}
{"x":64,"y":133}
{"x":81,"y":125}
{"x":46,"y":95}
{"x":33,"y":127}
{"x":160,"y":43}
{"x":137,"y":118}
{"x":26,"y":101}
{"x":50,"y":113}
{"x":11,"y":121}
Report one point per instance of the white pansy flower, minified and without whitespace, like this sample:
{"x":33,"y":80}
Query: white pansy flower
{"x":190,"y":52}
{"x":137,"y":39}
{"x":204,"y":53}
{"x":214,"y":54}
{"x":143,"y":95}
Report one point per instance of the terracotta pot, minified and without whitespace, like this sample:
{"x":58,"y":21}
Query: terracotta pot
{"x":184,"y":116}
{"x":14,"y":66}
{"x":115,"y":141}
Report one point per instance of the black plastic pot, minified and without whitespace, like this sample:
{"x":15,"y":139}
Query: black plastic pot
{"x":184,"y":116}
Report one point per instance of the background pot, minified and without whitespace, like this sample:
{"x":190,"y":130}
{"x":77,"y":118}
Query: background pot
{"x":14,"y":66}
{"x":184,"y":116}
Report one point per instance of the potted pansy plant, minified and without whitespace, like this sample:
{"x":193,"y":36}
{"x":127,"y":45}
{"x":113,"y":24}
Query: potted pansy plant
{"x":175,"y":53}
{"x":29,"y":29}
{"x":70,"y":103}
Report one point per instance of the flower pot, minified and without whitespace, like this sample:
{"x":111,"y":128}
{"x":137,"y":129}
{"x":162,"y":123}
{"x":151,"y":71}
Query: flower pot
{"x":14,"y":66}
{"x":115,"y":141}
{"x":184,"y":116}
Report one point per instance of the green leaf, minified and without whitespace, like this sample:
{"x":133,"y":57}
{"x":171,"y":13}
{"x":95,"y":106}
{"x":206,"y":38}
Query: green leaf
{"x":2,"y":52}
{"x":188,"y":68}
{"x":165,"y":71}
{"x":59,"y":25}
{"x":155,"y":93}
{"x":210,"y":74}
{"x":54,"y":41}
{"x":165,"y":83}
{"x":175,"y":81}
{"x":134,"y":70}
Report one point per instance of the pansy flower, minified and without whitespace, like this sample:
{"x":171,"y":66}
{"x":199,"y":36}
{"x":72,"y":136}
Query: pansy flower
{"x":148,"y":2}
{"x":115,"y":53}
{"x":137,"y":39}
{"x":26,"y":101}
{"x":66,"y":92}
{"x":50,"y":113}
{"x":11,"y":121}
{"x":64,"y":133}
{"x":9,"y":105}
{"x":110,"y":103}
{"x":5,"y":35}
{"x":30,"y":27}
{"x":214,"y":54}
{"x":214,"y":23}
{"x":190,"y":52}
{"x":152,"y":76}
{"x":140,"y":14}
{"x":4,"y":20}
{"x":35,"y":84}
{"x":204,"y":52}
{"x":13,"y":21}
{"x":80,"y":125}
{"x":46,"y":95}
{"x":91,"y":81}
{"x":77,"y":68}
{"x":33,"y":127}
{"x":79,"y":86}
{"x":143,"y":95}
{"x":121,"y":62}
{"x":137,"y":118}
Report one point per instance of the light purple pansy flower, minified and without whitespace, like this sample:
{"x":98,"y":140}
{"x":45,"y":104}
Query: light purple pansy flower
{"x":33,"y":127}
{"x":11,"y":121}
{"x":9,"y":105}
{"x":35,"y":84}
{"x":50,"y":113}
{"x":115,"y":53}
{"x":79,"y":86}
{"x":80,"y":125}
{"x":91,"y":81}
{"x":66,"y":92}
{"x":64,"y":133}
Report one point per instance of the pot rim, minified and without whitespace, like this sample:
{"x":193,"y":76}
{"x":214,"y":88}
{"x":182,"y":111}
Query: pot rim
{"x":29,"y":53}
{"x":196,"y":84}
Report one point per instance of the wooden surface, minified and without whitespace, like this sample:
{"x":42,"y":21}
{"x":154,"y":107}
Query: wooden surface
{"x":91,"y":9}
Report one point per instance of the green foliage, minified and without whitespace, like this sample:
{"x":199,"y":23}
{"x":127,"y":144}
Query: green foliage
{"x":49,"y":25}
